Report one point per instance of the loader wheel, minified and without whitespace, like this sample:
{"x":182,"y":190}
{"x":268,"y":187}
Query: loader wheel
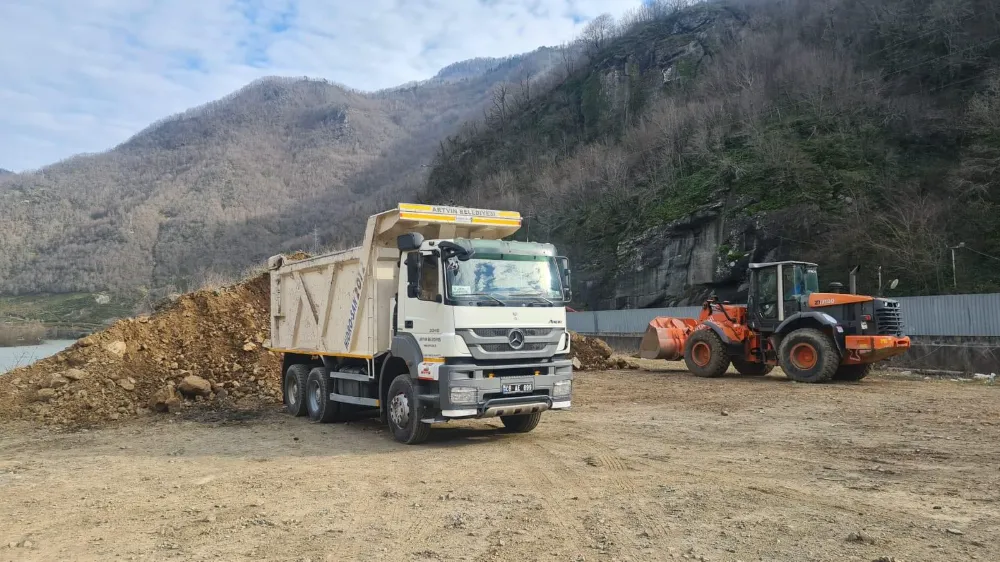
{"x":808,"y":355}
{"x":403,"y":411}
{"x":852,"y":372}
{"x":705,"y":354}
{"x":751,"y":369}
{"x":294,"y":389}
{"x":521,"y":424}
{"x":318,"y":404}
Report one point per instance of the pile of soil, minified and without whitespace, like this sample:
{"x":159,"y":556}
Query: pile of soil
{"x":594,"y":354}
{"x":205,"y":347}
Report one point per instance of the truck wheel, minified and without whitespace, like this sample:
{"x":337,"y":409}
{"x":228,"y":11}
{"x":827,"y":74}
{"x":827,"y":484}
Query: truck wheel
{"x":318,"y":404}
{"x":751,"y":369}
{"x":705,"y":354}
{"x":852,"y":372}
{"x":294,"y":389}
{"x":808,"y":355}
{"x":404,"y":412}
{"x":521,"y":424}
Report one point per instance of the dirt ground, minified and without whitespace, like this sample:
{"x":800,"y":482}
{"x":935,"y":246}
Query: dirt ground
{"x":647,"y":466}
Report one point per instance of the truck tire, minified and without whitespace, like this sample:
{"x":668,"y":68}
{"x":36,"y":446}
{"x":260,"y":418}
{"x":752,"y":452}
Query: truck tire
{"x":705,"y":354}
{"x":403,"y":411}
{"x":808,"y":355}
{"x":852,"y":372}
{"x":521,"y":424}
{"x":294,"y":389}
{"x":318,"y":404}
{"x":751,"y":369}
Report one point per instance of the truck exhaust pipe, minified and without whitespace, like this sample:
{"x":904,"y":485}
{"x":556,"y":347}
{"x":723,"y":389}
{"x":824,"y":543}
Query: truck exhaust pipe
{"x":854,"y":279}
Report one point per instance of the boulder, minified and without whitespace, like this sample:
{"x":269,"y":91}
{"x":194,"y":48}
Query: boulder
{"x":117,"y":348}
{"x":75,"y":374}
{"x":46,"y":394}
{"x":193,"y":385}
{"x":165,"y":400}
{"x":126,"y":384}
{"x":57,"y":381}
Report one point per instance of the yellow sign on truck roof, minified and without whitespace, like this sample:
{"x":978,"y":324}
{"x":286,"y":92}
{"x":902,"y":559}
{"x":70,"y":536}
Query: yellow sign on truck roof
{"x":458,"y":215}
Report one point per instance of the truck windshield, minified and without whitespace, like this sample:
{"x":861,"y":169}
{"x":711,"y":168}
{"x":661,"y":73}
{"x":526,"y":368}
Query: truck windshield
{"x":504,"y":277}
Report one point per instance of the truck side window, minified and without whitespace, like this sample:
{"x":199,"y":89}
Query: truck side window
{"x":429,"y":278}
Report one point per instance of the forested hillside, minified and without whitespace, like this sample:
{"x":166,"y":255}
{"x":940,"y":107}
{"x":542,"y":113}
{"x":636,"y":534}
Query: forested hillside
{"x":691,"y":141}
{"x":281,"y":164}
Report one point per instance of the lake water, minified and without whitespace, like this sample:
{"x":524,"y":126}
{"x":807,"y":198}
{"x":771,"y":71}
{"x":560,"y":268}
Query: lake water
{"x":11,"y":357}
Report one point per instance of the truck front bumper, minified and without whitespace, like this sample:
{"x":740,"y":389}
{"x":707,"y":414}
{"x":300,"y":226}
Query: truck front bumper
{"x":481,"y":388}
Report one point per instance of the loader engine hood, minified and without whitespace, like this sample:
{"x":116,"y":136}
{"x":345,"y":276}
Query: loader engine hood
{"x":820,"y":300}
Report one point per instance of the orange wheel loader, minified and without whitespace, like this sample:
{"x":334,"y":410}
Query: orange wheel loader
{"x":815,"y":337}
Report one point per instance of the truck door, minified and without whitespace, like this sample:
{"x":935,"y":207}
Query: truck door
{"x":420,"y":315}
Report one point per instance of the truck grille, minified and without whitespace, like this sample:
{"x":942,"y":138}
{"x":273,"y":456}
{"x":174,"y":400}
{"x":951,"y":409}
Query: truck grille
{"x":888,"y":318}
{"x":502,"y":332}
{"x":503,"y":347}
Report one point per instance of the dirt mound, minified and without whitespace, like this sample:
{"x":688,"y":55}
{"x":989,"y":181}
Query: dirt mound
{"x":594,"y":354}
{"x":205,"y":347}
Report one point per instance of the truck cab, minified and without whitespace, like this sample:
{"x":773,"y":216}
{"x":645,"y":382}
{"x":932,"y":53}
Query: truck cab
{"x":483,"y":322}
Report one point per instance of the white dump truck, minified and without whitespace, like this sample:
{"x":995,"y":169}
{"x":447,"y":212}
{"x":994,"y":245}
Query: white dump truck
{"x":433,"y":318}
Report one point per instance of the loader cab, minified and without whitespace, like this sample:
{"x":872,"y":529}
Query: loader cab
{"x":778,"y":290}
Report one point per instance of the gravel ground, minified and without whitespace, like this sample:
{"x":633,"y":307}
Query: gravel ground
{"x":649,"y":465}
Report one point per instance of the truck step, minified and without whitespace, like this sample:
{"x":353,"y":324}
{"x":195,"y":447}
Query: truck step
{"x":350,"y":376}
{"x":354,"y":400}
{"x":432,"y":398}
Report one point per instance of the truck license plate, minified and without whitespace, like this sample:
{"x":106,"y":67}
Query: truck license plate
{"x":517,"y":388}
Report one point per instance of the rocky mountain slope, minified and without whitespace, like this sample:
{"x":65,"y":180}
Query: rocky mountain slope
{"x":693,"y":141}
{"x":281,"y":164}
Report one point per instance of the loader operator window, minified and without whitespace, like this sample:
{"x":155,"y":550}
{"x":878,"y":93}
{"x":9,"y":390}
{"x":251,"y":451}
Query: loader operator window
{"x":429,"y":279}
{"x":767,"y":292}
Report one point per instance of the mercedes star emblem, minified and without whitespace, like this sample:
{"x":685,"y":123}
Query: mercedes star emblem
{"x":515,"y":338}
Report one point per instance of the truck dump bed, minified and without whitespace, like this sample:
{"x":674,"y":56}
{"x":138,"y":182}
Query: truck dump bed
{"x":339,"y":304}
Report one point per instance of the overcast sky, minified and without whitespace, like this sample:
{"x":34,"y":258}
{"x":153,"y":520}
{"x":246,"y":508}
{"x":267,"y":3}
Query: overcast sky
{"x":84,"y":75}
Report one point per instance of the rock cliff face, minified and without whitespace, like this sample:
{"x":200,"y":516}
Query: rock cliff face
{"x":706,"y":252}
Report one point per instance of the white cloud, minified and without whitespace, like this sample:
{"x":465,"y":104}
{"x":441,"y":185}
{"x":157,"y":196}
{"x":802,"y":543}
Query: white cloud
{"x":84,"y":75}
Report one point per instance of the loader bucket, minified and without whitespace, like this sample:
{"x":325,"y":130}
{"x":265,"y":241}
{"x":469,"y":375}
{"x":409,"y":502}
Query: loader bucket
{"x":665,"y":337}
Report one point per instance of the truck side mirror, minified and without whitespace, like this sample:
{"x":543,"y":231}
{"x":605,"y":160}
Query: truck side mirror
{"x":412,"y":274}
{"x":566,"y":278}
{"x":409,"y":242}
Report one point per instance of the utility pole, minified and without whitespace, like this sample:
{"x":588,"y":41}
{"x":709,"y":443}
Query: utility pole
{"x":954,"y":274}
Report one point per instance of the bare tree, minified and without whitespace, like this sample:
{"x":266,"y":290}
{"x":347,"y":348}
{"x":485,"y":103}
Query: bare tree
{"x":598,"y":32}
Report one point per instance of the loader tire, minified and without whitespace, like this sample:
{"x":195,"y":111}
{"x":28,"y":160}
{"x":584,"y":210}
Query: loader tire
{"x":751,"y":369}
{"x":294,"y":389}
{"x":403,"y":411}
{"x":705,"y":354}
{"x":852,"y":372}
{"x":521,"y":424}
{"x":808,"y":355}
{"x":318,"y":404}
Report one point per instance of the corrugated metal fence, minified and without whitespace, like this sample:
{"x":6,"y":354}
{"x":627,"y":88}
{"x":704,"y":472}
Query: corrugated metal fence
{"x":945,"y":315}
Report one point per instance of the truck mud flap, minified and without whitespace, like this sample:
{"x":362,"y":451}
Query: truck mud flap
{"x":513,"y":406}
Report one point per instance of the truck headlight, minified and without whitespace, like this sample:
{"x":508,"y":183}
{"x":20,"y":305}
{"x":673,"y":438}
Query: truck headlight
{"x":463,"y":395}
{"x":562,"y":388}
